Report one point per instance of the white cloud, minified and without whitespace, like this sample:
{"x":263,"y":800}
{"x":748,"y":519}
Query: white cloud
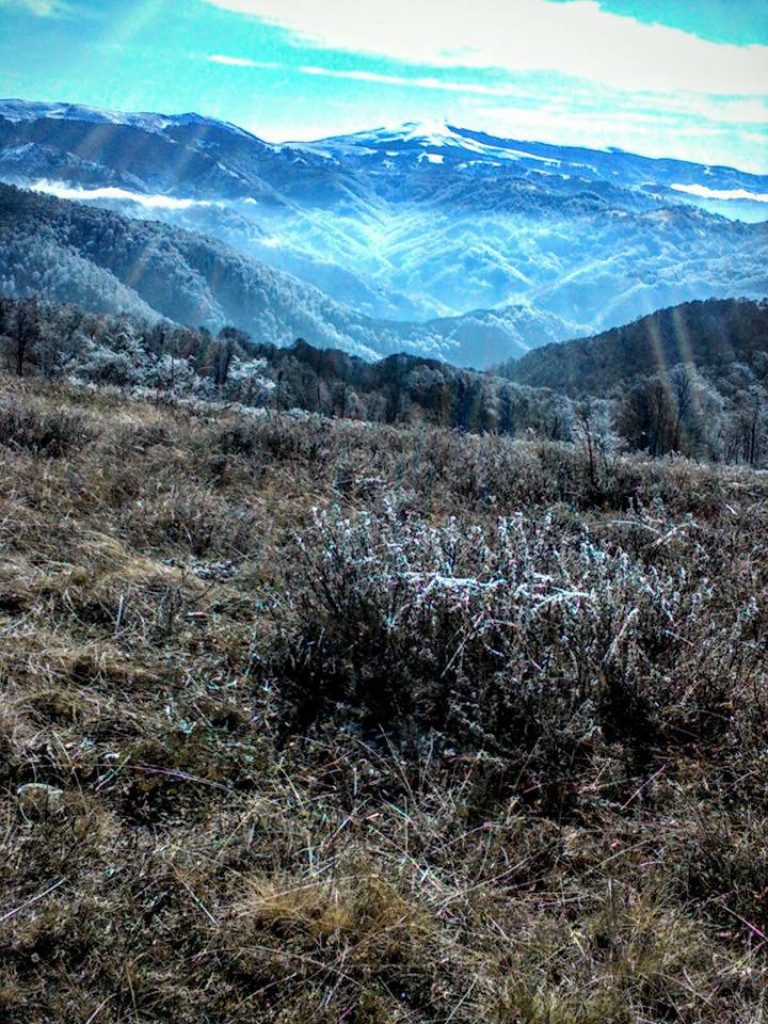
{"x":575,"y":38}
{"x":714,"y":193}
{"x":636,"y":107}
{"x":421,"y":82}
{"x":62,"y":191}
{"x":239,"y":62}
{"x":731,"y":110}
{"x":412,"y":82}
{"x":716,"y":108}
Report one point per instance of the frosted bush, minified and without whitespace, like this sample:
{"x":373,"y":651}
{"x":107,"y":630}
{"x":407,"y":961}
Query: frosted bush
{"x":499,"y":636}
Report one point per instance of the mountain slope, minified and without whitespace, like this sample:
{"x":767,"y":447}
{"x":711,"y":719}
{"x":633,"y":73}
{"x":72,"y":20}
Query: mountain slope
{"x":62,"y":250}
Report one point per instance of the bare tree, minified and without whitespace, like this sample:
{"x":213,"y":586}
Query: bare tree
{"x":27,"y":332}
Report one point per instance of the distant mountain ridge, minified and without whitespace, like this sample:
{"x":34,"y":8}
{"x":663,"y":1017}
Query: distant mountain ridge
{"x":435,"y":143}
{"x":24,"y":110}
{"x":420,"y":222}
{"x":445,"y":142}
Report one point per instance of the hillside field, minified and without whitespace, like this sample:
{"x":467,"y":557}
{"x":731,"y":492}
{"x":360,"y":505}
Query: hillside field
{"x":348,"y":722}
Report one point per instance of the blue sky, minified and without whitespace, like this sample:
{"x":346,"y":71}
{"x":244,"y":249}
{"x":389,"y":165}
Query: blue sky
{"x":683,"y":79}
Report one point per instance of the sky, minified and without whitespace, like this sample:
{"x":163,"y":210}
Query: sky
{"x":679,"y":78}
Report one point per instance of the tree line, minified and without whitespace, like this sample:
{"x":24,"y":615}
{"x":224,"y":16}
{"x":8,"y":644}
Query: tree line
{"x":714,"y":412}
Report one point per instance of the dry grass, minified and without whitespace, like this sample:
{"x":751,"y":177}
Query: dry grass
{"x":304,"y":782}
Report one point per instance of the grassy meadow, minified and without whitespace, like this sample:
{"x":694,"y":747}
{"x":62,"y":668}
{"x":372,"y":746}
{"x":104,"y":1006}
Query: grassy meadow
{"x":330,"y":722}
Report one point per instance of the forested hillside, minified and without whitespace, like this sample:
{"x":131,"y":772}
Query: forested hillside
{"x":54,"y":341}
{"x":692,"y":379}
{"x":707,"y":410}
{"x":64,"y":251}
{"x":712,"y":334}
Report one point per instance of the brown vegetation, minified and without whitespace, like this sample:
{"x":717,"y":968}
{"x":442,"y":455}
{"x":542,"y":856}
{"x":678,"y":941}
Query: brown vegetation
{"x":355,"y":723}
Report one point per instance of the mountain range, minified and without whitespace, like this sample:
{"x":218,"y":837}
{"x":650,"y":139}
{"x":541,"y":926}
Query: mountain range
{"x":396,"y":238}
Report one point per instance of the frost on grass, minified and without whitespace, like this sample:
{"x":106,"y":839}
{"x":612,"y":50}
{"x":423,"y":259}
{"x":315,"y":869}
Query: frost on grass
{"x":505,"y":635}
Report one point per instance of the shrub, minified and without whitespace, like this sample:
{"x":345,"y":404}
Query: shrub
{"x":42,"y":429}
{"x":507,"y":638}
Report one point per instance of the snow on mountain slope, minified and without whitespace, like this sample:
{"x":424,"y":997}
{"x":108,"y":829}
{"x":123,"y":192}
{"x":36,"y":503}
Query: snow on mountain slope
{"x":405,"y":139}
{"x":460,"y":145}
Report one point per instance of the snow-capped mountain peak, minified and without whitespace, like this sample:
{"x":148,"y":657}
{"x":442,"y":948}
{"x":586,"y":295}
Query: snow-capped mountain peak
{"x":436,"y":138}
